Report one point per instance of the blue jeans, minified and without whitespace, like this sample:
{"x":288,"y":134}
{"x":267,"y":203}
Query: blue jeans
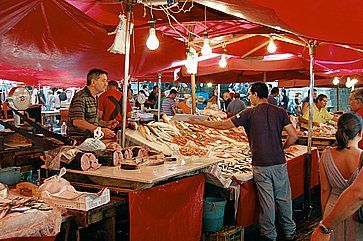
{"x":274,"y":187}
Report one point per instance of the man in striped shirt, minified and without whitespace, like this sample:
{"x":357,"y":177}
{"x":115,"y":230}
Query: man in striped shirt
{"x":168,"y":104}
{"x":83,"y":111}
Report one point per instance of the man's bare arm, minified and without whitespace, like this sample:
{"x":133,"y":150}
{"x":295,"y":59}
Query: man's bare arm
{"x":84,"y":125}
{"x":292,"y":135}
{"x":222,"y":125}
{"x":348,"y":203}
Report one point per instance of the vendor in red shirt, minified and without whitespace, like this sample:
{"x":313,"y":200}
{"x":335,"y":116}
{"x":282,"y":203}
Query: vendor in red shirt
{"x":110,"y":105}
{"x":356,"y":105}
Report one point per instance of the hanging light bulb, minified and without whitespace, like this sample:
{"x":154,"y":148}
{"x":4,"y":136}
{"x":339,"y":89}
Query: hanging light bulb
{"x":206,"y":49}
{"x":192,"y":61}
{"x":354,"y":81}
{"x":335,"y":81}
{"x":223,"y":62}
{"x":271,"y":47}
{"x":348,"y":84}
{"x":209,"y":85}
{"x":152,"y":41}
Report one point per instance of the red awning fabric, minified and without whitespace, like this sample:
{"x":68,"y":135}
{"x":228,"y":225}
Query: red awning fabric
{"x":246,"y":70}
{"x":53,"y":42}
{"x":331,"y":21}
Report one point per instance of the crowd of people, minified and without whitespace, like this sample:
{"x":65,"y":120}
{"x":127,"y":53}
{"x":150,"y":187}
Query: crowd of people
{"x":341,"y":177}
{"x":99,"y":103}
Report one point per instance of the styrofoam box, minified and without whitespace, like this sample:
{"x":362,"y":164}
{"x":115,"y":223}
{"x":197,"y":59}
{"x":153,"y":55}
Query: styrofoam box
{"x":84,"y":203}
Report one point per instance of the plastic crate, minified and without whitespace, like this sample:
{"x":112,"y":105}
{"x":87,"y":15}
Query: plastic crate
{"x":81,"y":203}
{"x":227,"y":234}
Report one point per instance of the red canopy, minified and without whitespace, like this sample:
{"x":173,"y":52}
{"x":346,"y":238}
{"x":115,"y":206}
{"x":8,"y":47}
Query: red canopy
{"x":331,"y":21}
{"x":56,"y":43}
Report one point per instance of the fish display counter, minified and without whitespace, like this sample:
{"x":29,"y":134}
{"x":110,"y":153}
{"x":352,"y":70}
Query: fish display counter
{"x":231,"y":147}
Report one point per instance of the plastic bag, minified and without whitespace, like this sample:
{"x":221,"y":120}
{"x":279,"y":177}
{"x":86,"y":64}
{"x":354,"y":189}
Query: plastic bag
{"x":95,"y":143}
{"x":54,"y":157}
{"x":55,"y":183}
{"x":33,"y":223}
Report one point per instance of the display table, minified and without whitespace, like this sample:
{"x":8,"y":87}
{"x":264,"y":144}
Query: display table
{"x":133,"y":137}
{"x":170,"y":212}
{"x":319,"y":142}
{"x":148,"y":175}
{"x":248,"y":207}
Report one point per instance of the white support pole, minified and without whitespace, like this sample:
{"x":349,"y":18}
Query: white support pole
{"x":312,"y":47}
{"x":159,"y":96}
{"x":194,"y":103}
{"x":308,"y":158}
{"x":219,"y":96}
{"x":126,"y":75}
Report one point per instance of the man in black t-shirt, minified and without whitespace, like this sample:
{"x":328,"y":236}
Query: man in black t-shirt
{"x":263,"y":124}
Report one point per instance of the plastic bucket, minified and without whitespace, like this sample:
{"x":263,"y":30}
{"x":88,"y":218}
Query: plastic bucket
{"x":213,"y":214}
{"x":10,"y":175}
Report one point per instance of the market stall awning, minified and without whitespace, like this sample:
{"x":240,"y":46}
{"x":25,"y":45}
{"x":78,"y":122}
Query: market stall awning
{"x":327,"y":21}
{"x":57,"y":42}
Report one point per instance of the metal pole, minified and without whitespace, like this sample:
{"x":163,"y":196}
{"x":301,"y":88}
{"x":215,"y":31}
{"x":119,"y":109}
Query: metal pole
{"x":194,"y":104}
{"x":159,"y":96}
{"x":338,"y":97}
{"x":218,"y":96}
{"x":126,"y":75}
{"x":311,"y":99}
{"x":308,"y":160}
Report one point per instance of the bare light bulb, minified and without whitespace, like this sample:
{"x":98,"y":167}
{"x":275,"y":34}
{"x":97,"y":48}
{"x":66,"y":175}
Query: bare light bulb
{"x":192,"y":61}
{"x":335,"y":81}
{"x":209,"y":85}
{"x":348,"y":84}
{"x":354,"y":81}
{"x":206,"y":49}
{"x":222,"y":62}
{"x":271,"y":47}
{"x":152,"y":41}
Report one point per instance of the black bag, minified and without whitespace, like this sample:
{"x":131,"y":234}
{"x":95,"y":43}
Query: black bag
{"x":358,"y":215}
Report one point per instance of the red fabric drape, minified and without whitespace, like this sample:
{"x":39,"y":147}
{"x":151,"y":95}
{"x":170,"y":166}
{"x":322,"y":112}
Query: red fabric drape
{"x":169,"y":212}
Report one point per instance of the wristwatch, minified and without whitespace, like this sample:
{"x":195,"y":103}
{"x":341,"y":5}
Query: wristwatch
{"x":324,"y":229}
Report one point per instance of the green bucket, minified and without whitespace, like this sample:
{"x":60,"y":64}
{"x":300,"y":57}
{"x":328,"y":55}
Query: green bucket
{"x":213,"y":214}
